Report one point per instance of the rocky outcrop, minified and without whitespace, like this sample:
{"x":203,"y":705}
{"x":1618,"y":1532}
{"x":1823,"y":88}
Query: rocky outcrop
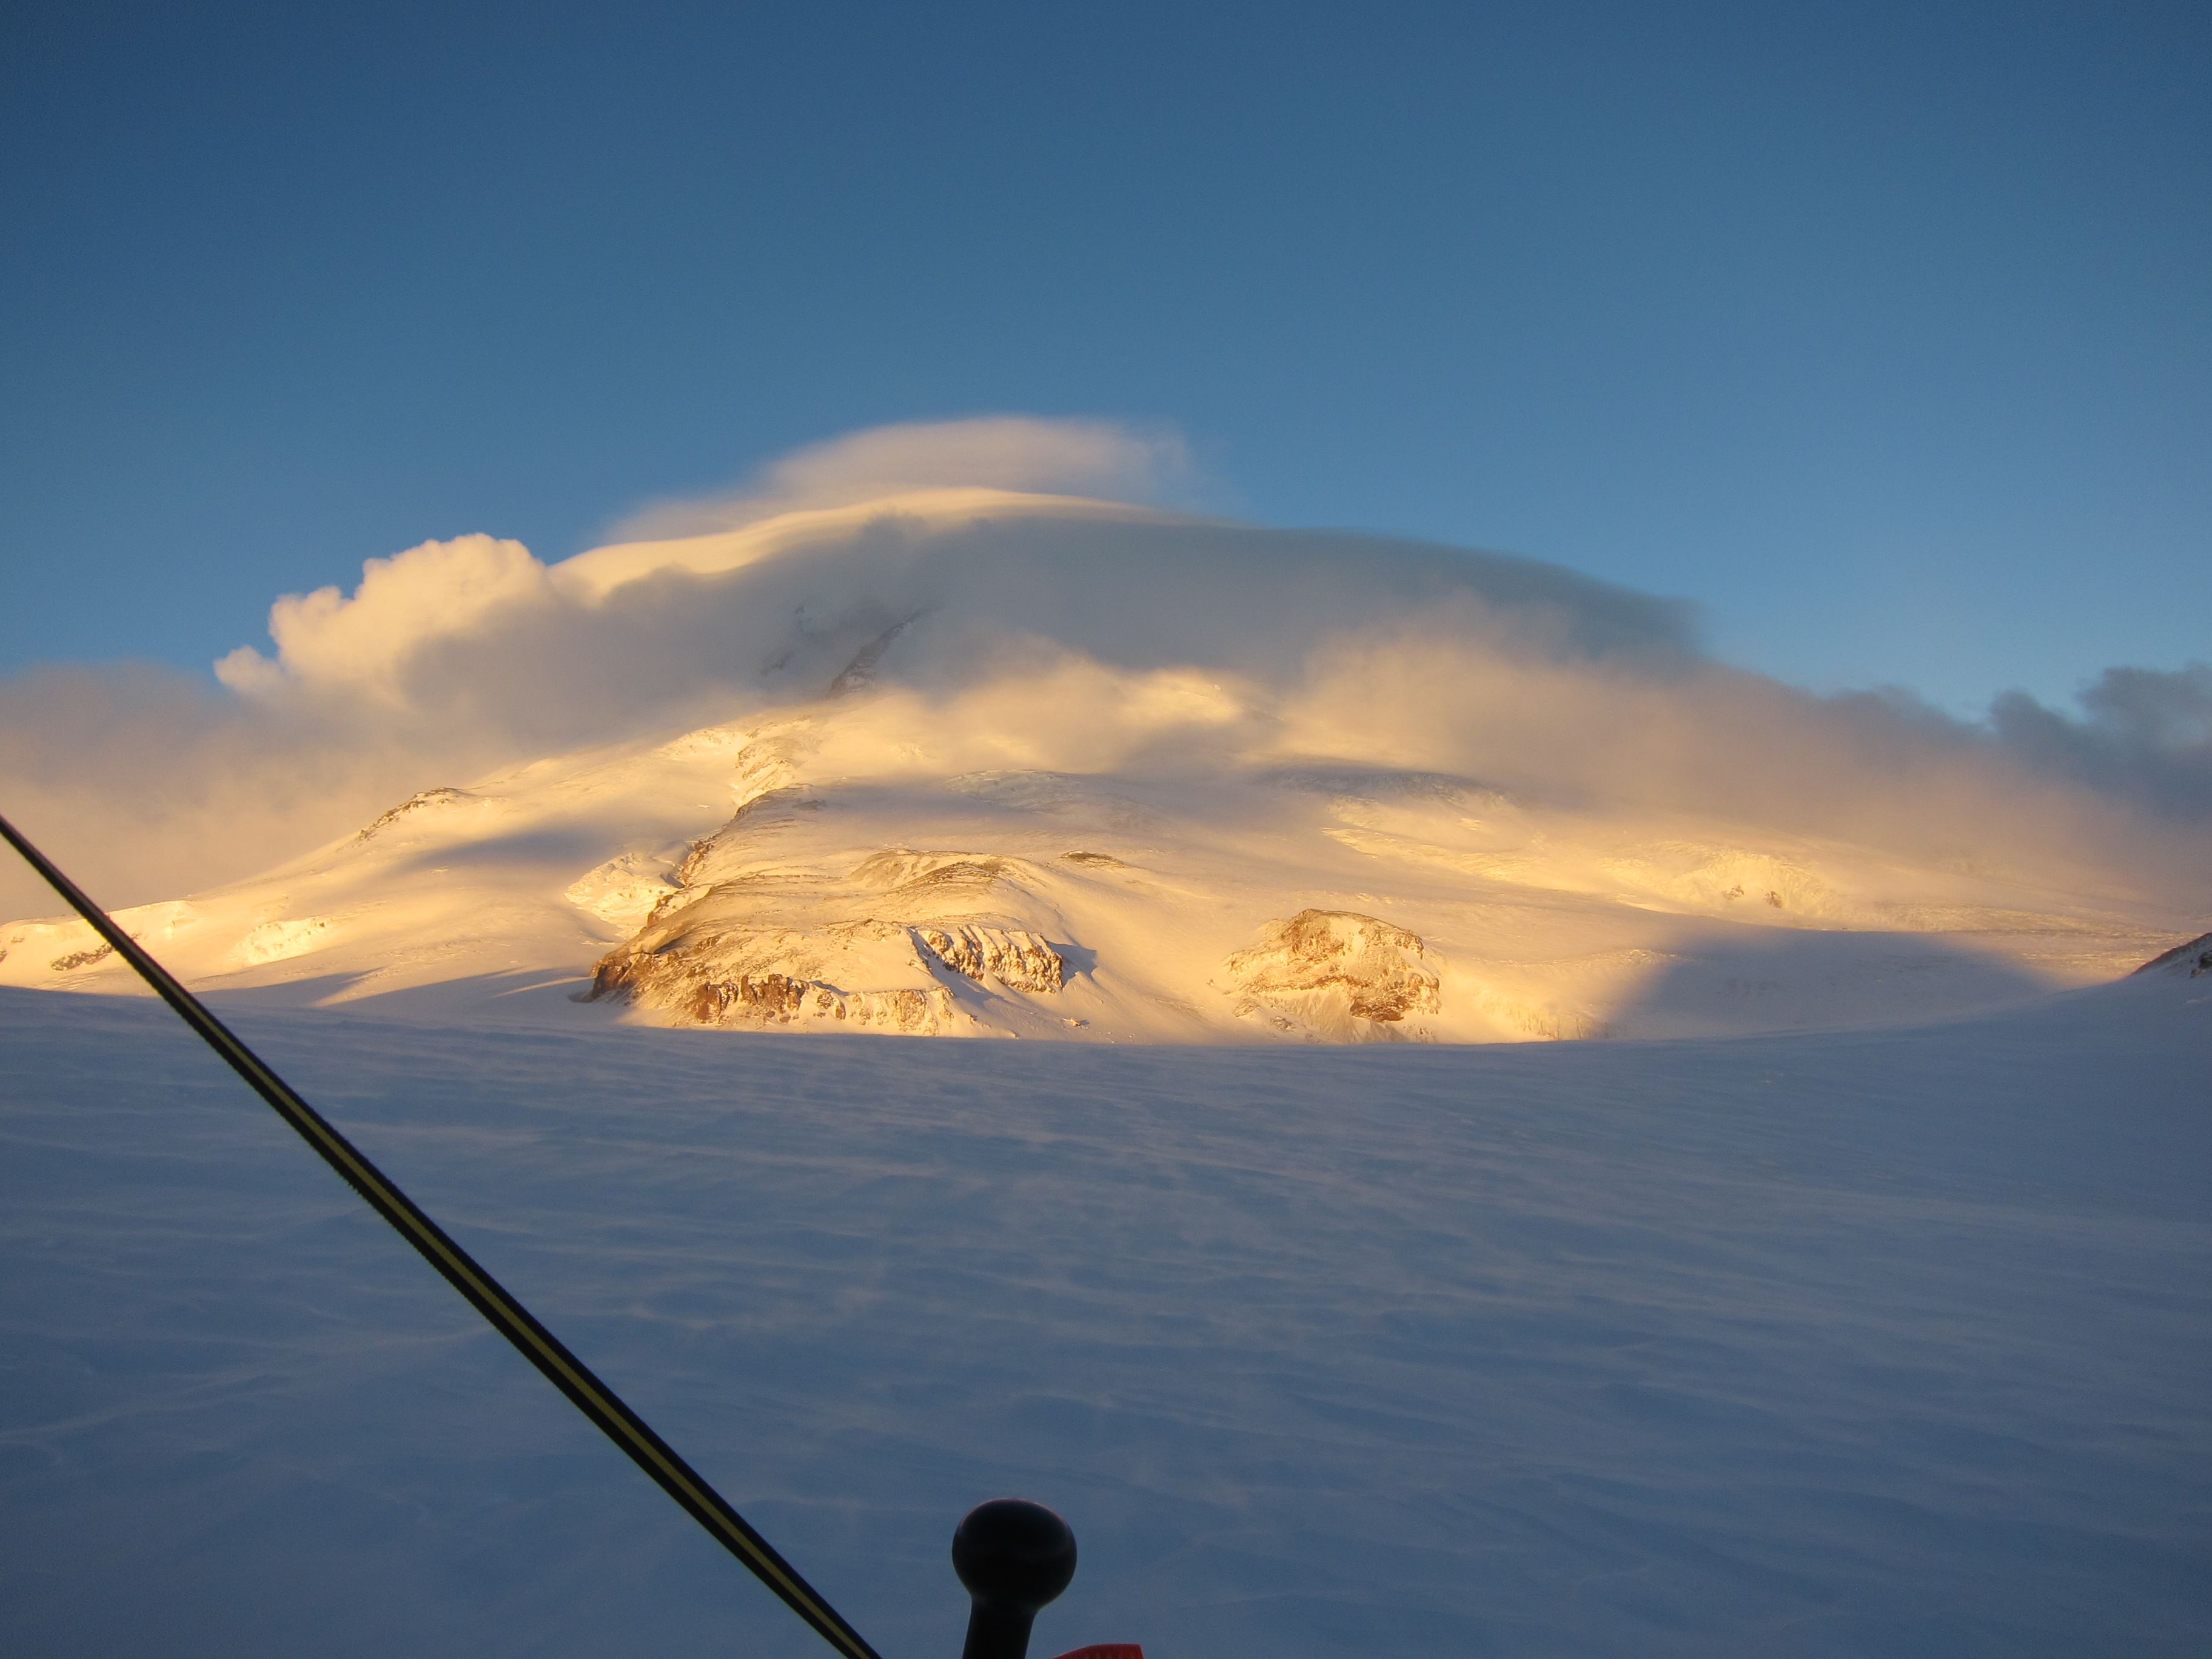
{"x":1021,"y":961}
{"x":280,"y":941}
{"x":2183,"y":961}
{"x":414,"y":803}
{"x":886,"y":945}
{"x":65,"y":944}
{"x":1335,"y":976}
{"x":778,"y":1000}
{"x":863,"y":973}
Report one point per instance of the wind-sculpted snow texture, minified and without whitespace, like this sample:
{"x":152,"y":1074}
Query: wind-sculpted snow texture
{"x":1871,"y":1344}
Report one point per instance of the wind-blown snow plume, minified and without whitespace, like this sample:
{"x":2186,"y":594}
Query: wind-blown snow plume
{"x":998,"y":625}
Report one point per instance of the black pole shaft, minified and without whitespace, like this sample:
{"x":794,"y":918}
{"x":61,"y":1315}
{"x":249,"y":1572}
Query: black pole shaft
{"x":998,"y":1632}
{"x":484,"y":1293}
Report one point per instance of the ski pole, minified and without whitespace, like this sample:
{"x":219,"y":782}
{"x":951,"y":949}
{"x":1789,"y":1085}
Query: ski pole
{"x":506,"y":1315}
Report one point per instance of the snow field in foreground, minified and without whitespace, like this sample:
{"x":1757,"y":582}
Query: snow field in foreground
{"x":1875,"y":1343}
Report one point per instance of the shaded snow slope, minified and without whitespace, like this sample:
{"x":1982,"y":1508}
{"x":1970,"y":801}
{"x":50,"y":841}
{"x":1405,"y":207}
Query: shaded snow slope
{"x":1881,"y":1343}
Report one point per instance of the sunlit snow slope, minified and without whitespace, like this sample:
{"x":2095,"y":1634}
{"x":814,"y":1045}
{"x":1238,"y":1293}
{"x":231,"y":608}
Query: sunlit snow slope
{"x":987,"y":764}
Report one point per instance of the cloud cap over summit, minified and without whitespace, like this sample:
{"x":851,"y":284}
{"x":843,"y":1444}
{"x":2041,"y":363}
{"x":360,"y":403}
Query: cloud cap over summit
{"x":1074,"y":633}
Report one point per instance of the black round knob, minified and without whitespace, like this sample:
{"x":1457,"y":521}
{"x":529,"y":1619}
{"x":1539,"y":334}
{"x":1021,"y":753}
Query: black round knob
{"x":1013,"y":1554}
{"x":1013,"y":1557}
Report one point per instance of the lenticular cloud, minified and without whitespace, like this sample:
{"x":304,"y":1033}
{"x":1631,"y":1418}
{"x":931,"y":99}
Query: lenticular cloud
{"x":977,"y":580}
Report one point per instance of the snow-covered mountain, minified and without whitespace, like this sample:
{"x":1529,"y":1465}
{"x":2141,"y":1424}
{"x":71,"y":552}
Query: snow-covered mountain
{"x":989,"y":764}
{"x":1845,"y":1342}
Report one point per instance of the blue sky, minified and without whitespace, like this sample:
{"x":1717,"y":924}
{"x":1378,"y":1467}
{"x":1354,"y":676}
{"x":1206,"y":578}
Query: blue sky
{"x":1883,"y":332}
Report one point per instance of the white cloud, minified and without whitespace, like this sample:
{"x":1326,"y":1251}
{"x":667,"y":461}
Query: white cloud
{"x":435,"y":591}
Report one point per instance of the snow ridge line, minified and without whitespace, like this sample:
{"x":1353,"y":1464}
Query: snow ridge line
{"x":500,"y":1309}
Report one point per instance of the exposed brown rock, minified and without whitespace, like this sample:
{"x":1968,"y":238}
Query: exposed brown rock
{"x":1323,"y":968}
{"x":1020,"y":960}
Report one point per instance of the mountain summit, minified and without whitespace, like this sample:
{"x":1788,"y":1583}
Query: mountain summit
{"x":983,"y":764}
